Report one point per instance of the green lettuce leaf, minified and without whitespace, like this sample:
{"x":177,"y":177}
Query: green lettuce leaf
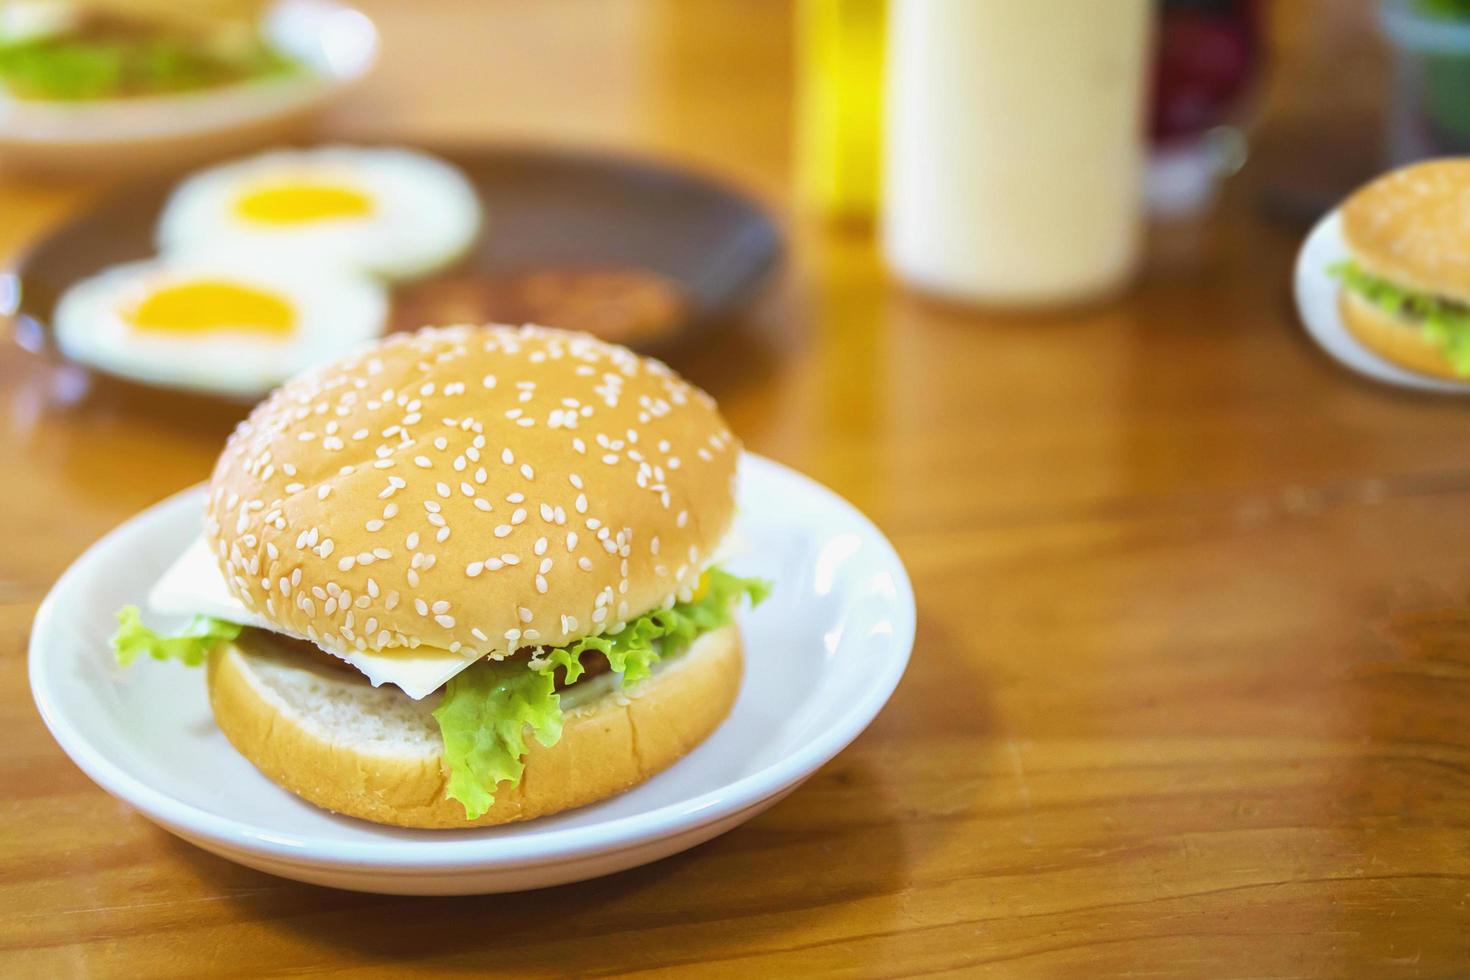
{"x":189,"y":646}
{"x":487,"y":708}
{"x":1445,"y":322}
{"x":483,"y":720}
{"x":633,"y":650}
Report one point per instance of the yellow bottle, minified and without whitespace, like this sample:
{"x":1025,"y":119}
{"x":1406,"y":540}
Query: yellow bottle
{"x":839,"y":105}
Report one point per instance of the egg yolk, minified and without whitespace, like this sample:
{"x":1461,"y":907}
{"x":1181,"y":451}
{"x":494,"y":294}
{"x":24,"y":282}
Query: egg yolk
{"x":301,"y":203}
{"x":207,"y":305}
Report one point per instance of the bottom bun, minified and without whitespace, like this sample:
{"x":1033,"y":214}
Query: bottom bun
{"x":331,"y":738}
{"x":1404,"y":342}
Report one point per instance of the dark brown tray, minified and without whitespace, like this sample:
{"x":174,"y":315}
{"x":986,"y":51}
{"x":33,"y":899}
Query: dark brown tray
{"x":545,"y":209}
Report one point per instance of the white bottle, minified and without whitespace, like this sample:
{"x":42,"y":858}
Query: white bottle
{"x":1013,"y":147}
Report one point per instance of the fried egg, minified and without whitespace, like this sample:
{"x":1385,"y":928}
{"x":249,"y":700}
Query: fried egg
{"x":392,"y":212}
{"x":215,"y":326}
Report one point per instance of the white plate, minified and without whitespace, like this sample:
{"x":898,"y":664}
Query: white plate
{"x":823,"y":654}
{"x":337,"y":44}
{"x":1316,"y":302}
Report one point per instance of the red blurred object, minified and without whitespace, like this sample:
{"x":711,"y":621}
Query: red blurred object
{"x":1207,"y":56}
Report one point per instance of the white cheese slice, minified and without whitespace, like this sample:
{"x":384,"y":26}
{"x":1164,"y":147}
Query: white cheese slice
{"x":194,"y":585}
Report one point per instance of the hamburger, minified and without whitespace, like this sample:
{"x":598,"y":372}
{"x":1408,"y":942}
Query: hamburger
{"x":1406,"y":286}
{"x":463,"y":577}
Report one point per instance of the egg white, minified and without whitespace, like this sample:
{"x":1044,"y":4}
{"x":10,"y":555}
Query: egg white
{"x":425,"y":213}
{"x":334,"y":313}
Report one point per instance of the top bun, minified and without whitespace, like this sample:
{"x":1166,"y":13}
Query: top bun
{"x":473,"y":488}
{"x":1412,"y":225}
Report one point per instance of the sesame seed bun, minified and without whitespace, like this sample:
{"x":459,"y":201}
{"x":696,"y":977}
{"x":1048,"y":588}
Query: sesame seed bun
{"x":472,"y":488}
{"x":1412,"y":227}
{"x":1393,"y":338}
{"x":331,"y":738}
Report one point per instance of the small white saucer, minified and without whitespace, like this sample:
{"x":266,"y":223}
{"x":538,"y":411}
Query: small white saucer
{"x":1316,"y":303}
{"x":335,"y":42}
{"x":823,"y":655}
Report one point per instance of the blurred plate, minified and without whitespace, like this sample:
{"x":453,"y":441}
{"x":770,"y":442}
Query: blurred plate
{"x":823,"y":655}
{"x":336,"y":43}
{"x":585,"y":236}
{"x":1316,"y":301}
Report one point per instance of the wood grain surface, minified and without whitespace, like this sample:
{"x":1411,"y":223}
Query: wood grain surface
{"x":1191,"y":692}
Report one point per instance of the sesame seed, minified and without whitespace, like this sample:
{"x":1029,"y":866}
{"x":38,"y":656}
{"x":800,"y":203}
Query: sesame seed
{"x":382,"y":554}
{"x":441,"y":443}
{"x":527,"y":472}
{"x":474,"y":568}
{"x":515,"y":498}
{"x":374,"y":525}
{"x":541,"y":584}
{"x":412,"y":541}
{"x":445,"y":621}
{"x":442,"y":489}
{"x":346,"y":563}
{"x":571,"y":540}
{"x":523,"y":613}
{"x":502,"y":530}
{"x":432,"y":506}
{"x":482,"y":504}
{"x":510,"y":559}
{"x":422,"y":462}
{"x":442,"y":535}
{"x":518,"y":515}
{"x":507,"y":457}
{"x":323,"y":490}
{"x":584,"y":563}
{"x":421,"y":607}
{"x":540,"y":547}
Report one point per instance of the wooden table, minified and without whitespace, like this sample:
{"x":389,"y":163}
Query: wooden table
{"x":1191,"y":693}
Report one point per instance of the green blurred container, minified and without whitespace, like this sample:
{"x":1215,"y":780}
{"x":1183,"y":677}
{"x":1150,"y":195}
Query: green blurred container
{"x":1430,"y":110}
